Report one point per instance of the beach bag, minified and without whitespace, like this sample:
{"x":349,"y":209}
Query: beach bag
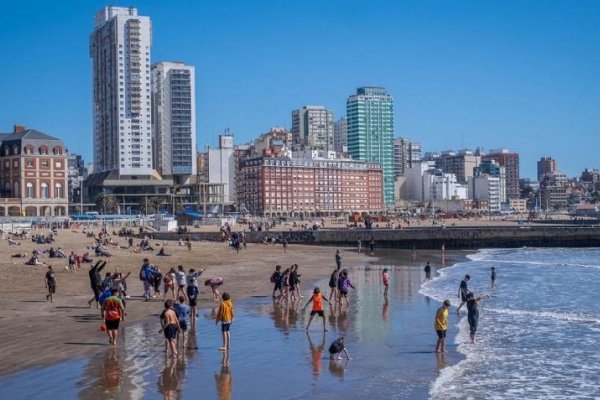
{"x":273,"y":277}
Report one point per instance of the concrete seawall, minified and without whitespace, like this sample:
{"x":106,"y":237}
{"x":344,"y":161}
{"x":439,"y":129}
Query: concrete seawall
{"x":428,"y":238}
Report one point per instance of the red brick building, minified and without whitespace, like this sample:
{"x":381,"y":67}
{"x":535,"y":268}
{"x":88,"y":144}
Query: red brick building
{"x":33,"y":174}
{"x":510,"y":162}
{"x":283,"y":186}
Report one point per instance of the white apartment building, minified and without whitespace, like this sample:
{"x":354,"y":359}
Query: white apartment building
{"x":312,"y":128}
{"x":414,"y":188}
{"x":221,"y":167}
{"x":486,"y":187}
{"x":174,"y":120}
{"x":438,"y":185}
{"x":120,"y":51}
{"x":425,"y":183}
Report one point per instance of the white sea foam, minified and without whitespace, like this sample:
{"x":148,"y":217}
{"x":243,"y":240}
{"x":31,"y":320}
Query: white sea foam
{"x":538,"y":335}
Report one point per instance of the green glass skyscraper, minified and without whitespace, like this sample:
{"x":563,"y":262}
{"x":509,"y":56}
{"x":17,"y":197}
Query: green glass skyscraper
{"x":370,"y":114}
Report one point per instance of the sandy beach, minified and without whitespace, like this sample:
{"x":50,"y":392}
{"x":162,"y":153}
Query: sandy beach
{"x":36,"y":332}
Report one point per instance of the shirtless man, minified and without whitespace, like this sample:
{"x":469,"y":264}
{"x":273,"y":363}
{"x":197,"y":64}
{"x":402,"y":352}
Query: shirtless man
{"x":170,"y":326}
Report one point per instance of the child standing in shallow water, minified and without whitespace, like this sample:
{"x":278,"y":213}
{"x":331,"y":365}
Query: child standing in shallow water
{"x":386,"y":281}
{"x":317,"y":299}
{"x":225,"y":316}
{"x":441,"y":326}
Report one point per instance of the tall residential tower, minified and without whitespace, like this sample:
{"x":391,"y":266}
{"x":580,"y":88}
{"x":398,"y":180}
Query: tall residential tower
{"x":174,"y":120}
{"x":370,"y":114}
{"x":340,"y":135}
{"x":120,"y":52}
{"x":312,"y":128}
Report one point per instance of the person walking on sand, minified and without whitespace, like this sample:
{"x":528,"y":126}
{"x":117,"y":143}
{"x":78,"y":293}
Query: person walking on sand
{"x":463,"y":291}
{"x":225,"y":317}
{"x":169,"y":284}
{"x":50,"y":283}
{"x":183,"y":315}
{"x":338,"y":259}
{"x":441,"y":326}
{"x":96,"y":281}
{"x":473,"y":314}
{"x":193,"y":289}
{"x":112,"y":313}
{"x":180,"y":280}
{"x":344,"y":285}
{"x":276,"y":280}
{"x":493,"y":277}
{"x":427,"y":270}
{"x":317,"y":308}
{"x":333,"y":284}
{"x":385,"y":276}
{"x":170,"y":327}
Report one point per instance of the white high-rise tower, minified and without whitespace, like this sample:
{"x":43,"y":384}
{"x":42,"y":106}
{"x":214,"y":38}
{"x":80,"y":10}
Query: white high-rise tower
{"x":174,"y":120}
{"x":120,"y":51}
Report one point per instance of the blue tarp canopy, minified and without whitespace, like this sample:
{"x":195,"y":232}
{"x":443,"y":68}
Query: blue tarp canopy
{"x":83,"y":216}
{"x":193,"y":214}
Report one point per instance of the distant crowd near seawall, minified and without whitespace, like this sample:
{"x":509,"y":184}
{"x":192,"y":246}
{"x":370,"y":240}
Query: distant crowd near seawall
{"x":426,"y":238}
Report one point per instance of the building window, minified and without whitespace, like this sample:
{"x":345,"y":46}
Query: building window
{"x":58,"y":192}
{"x":30,"y":193}
{"x":16,"y":192}
{"x":44,"y":192}
{"x":29,"y":164}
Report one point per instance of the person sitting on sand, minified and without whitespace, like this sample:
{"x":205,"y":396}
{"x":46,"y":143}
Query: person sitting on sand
{"x":12,"y":242}
{"x":162,"y":253}
{"x":214,"y":284}
{"x":86,"y":257}
{"x":34,"y":260}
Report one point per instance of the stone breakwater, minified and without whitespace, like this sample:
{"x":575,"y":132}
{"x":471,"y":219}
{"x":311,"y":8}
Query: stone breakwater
{"x":426,"y":238}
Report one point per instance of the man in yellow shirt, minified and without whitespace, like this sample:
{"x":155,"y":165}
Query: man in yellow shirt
{"x":441,"y":326}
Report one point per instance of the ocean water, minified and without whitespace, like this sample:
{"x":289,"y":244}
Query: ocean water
{"x":391,"y":344}
{"x":539,"y":332}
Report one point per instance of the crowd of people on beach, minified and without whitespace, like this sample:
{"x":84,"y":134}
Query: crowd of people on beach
{"x":178,"y":288}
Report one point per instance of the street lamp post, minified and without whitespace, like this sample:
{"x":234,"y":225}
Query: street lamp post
{"x":81,"y":194}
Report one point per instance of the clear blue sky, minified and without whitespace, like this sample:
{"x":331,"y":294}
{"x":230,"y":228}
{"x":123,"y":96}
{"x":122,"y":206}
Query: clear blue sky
{"x":518,"y":74}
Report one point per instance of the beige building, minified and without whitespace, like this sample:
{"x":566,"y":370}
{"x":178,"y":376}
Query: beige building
{"x":33,"y":174}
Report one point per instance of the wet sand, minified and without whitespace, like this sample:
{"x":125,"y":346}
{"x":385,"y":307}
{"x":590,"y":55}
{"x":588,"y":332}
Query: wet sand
{"x":37,"y":333}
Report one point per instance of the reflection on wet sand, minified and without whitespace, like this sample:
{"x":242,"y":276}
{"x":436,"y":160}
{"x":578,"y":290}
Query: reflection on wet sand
{"x":377,"y":330}
{"x":316,"y":354}
{"x":111,"y":370}
{"x":171,"y":379}
{"x":223,"y":379}
{"x":337,"y":368}
{"x":385,"y":309}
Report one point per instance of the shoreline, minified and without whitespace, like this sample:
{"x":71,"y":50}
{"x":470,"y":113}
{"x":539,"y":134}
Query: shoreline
{"x":71,"y":328}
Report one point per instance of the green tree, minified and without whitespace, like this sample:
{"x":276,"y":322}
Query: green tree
{"x":107,"y":203}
